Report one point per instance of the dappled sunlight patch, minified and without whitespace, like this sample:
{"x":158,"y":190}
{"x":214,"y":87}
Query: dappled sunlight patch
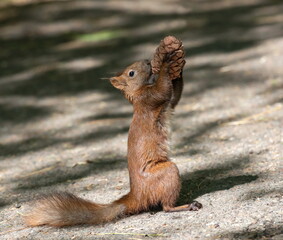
{"x":76,"y":65}
{"x":278,"y":18}
{"x":262,"y":116}
{"x":27,"y":75}
{"x":67,"y":171}
{"x":77,"y":45}
{"x":31,"y":28}
{"x":82,"y":64}
{"x":91,"y":40}
{"x":60,"y":119}
{"x":100,"y":36}
{"x":257,"y":193}
{"x":160,"y":26}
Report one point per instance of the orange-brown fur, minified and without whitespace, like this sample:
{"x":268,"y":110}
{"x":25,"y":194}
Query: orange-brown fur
{"x":154,"y":179}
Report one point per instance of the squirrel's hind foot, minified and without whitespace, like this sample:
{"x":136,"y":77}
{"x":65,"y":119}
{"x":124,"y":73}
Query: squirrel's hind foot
{"x":194,"y":206}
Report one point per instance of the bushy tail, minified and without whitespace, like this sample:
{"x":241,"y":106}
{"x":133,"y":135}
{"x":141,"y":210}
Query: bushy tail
{"x":65,"y":209}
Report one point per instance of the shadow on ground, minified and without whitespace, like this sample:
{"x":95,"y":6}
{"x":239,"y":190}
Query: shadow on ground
{"x":43,"y":141}
{"x":37,"y":38}
{"x":253,"y":195}
{"x":214,"y":179}
{"x":269,"y":232}
{"x":21,"y":114}
{"x":57,"y":49}
{"x":58,"y":173}
{"x":52,"y":49}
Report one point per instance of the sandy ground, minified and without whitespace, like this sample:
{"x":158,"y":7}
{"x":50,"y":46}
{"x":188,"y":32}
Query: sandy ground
{"x":63,"y":128}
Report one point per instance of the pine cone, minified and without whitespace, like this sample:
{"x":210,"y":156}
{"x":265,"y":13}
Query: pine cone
{"x":172,"y":48}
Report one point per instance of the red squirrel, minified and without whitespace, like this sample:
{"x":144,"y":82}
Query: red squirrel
{"x":154,"y":179}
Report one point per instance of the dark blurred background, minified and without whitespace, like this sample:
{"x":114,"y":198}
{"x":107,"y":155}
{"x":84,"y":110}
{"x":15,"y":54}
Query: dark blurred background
{"x":58,"y":48}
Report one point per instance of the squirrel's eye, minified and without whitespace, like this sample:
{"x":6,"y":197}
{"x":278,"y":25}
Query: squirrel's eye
{"x":131,"y":73}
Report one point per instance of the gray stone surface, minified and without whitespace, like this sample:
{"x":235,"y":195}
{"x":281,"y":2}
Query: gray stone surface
{"x":63,"y":128}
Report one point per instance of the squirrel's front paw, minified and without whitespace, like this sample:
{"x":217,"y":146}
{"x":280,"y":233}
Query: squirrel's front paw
{"x":152,"y":79}
{"x":170,"y":50}
{"x":176,"y":63}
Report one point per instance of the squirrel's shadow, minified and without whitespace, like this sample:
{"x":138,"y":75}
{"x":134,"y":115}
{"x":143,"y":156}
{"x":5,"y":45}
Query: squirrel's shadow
{"x":210,"y":180}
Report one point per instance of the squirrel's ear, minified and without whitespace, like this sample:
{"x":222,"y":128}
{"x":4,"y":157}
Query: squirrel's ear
{"x":118,"y":82}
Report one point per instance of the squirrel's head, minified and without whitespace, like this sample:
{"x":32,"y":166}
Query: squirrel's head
{"x":134,"y":78}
